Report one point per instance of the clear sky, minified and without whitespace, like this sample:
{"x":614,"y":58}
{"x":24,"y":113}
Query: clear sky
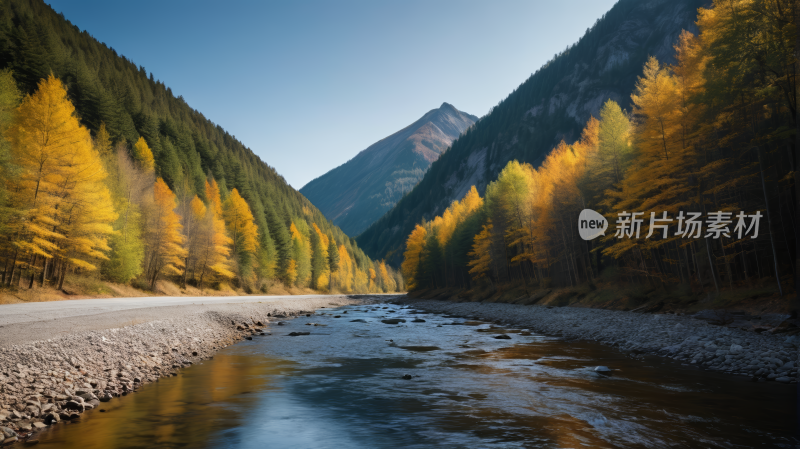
{"x":307,"y":85}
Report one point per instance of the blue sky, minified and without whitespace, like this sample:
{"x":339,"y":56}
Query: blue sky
{"x":307,"y":85}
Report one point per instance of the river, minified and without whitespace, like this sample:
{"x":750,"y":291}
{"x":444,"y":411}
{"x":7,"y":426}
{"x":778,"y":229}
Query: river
{"x":343,"y":386}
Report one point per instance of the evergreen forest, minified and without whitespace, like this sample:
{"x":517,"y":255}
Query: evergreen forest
{"x":104,"y":172}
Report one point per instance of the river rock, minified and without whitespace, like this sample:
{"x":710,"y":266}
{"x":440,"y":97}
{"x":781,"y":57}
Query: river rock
{"x":407,"y":376}
{"x":32,"y":410}
{"x":296,"y":334}
{"x":417,"y":320}
{"x":39,"y":425}
{"x":602,"y":369}
{"x":358,"y":321}
{"x":7,"y":432}
{"x":785,"y":380}
{"x":393,"y":321}
{"x":74,"y":405}
{"x":503,"y":337}
{"x":51,"y":418}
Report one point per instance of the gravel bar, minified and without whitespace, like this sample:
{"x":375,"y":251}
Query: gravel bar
{"x":759,"y":356}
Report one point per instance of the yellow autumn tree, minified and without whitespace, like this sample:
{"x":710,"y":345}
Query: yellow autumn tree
{"x":64,"y":211}
{"x":143,"y":155}
{"x":389,"y":285}
{"x":480,"y":264}
{"x":411,"y":257}
{"x":301,"y":248}
{"x":372,"y":275}
{"x":344,"y":277}
{"x":211,"y":261}
{"x":165,"y":253}
{"x":242,"y":231}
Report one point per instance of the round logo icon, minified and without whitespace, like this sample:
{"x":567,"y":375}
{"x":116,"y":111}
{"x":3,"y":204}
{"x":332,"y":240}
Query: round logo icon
{"x":591,"y":224}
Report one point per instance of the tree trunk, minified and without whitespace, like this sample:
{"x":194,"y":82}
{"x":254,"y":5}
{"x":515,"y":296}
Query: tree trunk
{"x":769,"y":221}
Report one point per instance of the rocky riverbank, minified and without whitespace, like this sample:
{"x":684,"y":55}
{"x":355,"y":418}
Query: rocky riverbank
{"x":692,"y":341}
{"x":45,"y":382}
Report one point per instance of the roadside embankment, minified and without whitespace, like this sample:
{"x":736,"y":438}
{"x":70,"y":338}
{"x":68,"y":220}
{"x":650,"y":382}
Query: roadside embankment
{"x":759,"y":356}
{"x":59,"y":359}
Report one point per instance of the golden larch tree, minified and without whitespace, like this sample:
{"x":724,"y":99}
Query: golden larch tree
{"x":165,"y":252}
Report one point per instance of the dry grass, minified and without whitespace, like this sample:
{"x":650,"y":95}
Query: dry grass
{"x":84,"y":287}
{"x":36,"y":294}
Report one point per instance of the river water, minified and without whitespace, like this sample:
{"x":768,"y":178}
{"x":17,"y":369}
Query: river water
{"x":342,"y":386}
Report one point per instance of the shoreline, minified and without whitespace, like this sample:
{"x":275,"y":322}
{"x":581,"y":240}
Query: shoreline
{"x":693,"y":342}
{"x":57,"y":377}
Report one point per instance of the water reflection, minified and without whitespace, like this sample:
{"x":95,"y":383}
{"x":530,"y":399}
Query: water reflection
{"x":343,"y":386}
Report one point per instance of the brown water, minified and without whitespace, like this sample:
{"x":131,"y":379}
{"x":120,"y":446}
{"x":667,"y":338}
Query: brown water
{"x":342,"y":386}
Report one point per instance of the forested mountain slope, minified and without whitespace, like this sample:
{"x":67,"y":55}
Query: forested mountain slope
{"x":553,"y":104}
{"x":142,"y":132}
{"x":360,"y":191}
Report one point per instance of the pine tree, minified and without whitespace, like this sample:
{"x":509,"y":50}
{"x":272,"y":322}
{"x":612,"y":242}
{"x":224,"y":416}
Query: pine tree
{"x":333,"y":260}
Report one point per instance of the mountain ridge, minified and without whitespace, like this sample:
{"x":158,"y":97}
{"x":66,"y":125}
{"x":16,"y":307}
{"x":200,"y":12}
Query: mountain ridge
{"x":358,"y":192}
{"x":551,"y":105}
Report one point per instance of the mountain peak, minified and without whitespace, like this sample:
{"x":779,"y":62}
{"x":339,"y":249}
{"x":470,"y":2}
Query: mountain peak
{"x":360,"y":191}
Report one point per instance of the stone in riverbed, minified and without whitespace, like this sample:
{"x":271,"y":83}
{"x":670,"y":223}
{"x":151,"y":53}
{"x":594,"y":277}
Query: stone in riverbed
{"x":51,"y":418}
{"x":74,"y":405}
{"x":393,"y":321}
{"x":603,"y":369}
{"x":785,"y":380}
{"x":39,"y":425}
{"x":296,"y":334}
{"x":359,"y":320}
{"x":7,"y":432}
{"x":407,"y":376}
{"x":417,"y":320}
{"x":503,"y":337}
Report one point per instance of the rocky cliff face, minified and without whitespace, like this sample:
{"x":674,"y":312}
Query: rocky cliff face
{"x":360,"y":191}
{"x":553,"y":104}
